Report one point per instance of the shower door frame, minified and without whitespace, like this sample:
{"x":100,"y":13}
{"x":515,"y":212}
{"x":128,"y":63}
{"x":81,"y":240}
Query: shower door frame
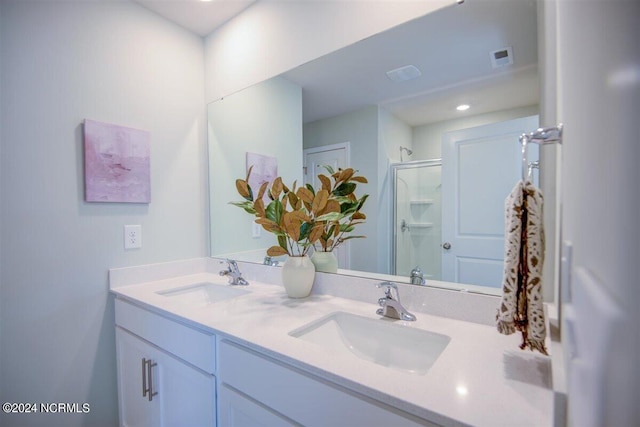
{"x":395,"y":168}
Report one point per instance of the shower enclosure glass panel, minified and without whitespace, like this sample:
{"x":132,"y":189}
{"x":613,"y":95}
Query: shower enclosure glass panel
{"x":417,"y":218}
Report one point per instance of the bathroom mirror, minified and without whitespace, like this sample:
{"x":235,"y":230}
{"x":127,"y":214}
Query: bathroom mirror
{"x":480,"y":53}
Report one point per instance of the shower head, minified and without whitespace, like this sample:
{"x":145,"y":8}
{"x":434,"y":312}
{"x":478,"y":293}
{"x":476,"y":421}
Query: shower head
{"x":409,"y":152}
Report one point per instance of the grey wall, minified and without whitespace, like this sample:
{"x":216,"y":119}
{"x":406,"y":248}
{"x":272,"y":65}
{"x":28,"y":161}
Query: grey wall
{"x":63,"y":62}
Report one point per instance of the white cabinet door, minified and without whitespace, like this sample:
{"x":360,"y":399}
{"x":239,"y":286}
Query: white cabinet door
{"x":239,"y":410}
{"x":135,"y":409}
{"x":188,"y":394}
{"x":185,"y":395}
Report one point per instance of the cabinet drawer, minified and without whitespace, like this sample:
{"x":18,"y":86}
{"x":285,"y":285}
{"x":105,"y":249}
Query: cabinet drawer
{"x":191,"y":345}
{"x":303,"y":398}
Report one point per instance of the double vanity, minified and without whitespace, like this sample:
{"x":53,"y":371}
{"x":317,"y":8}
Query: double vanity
{"x":193,"y":350}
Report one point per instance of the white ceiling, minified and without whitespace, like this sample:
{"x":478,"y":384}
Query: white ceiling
{"x":197,"y":16}
{"x":450,"y":46}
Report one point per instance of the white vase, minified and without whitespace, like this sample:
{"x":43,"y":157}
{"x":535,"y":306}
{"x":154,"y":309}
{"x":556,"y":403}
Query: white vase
{"x":325,"y":261}
{"x":298,"y":273}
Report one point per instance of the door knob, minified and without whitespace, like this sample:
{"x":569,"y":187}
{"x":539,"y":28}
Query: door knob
{"x":446,"y":246}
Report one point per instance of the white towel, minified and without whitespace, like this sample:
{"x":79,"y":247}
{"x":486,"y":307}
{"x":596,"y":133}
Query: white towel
{"x":521,"y":307}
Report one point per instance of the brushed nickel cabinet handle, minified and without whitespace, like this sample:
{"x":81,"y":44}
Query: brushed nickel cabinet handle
{"x":150,"y":365}
{"x":144,"y":377}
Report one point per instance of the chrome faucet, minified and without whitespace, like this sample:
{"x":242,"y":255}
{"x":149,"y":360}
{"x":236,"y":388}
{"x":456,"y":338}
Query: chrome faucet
{"x":270,"y":261}
{"x":390,"y":303}
{"x":234,"y":274}
{"x":417,"y":277}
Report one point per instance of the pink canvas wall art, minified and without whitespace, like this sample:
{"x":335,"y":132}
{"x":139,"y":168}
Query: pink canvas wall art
{"x":116,"y":163}
{"x":265,"y":169}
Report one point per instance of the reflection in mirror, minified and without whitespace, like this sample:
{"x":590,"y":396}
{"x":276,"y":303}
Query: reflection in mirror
{"x":417,"y":218}
{"x":265,"y":119}
{"x":448,"y":214}
{"x":348,"y":99}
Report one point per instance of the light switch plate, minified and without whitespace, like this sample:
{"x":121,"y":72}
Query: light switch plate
{"x":256,"y":230}
{"x":132,"y":236}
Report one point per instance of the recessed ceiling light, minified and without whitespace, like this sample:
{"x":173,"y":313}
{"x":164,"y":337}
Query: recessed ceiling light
{"x":462,"y":107}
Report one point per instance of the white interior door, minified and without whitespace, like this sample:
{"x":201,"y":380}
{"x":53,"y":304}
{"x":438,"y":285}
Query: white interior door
{"x":480,"y":167}
{"x":336,"y":156}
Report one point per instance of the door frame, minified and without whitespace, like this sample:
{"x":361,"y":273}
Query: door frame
{"x":346,"y":146}
{"x":314,"y":150}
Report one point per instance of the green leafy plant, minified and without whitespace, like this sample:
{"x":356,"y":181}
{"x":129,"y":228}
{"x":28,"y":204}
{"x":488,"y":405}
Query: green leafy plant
{"x":303,"y":217}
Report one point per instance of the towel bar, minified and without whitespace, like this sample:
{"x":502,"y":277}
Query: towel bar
{"x":541,"y":136}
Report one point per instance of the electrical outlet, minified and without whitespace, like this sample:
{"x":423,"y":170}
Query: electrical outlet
{"x":132,"y":236}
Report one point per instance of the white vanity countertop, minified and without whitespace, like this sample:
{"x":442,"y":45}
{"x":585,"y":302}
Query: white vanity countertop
{"x":480,"y":379}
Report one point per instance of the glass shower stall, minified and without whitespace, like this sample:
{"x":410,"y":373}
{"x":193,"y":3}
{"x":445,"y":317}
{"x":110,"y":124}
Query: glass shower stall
{"x":417,"y":218}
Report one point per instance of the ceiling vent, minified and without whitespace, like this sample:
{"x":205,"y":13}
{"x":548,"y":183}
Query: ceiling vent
{"x":402,"y":74}
{"x":501,"y":57}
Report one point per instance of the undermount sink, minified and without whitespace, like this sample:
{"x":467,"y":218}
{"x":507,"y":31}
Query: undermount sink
{"x":202,"y":294}
{"x":395,"y":346}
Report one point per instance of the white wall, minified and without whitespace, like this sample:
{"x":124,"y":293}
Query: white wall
{"x":269,"y":37}
{"x":394,"y":133}
{"x":427,"y":139}
{"x":599,"y":103}
{"x":63,"y":62}
{"x":263,"y":119}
